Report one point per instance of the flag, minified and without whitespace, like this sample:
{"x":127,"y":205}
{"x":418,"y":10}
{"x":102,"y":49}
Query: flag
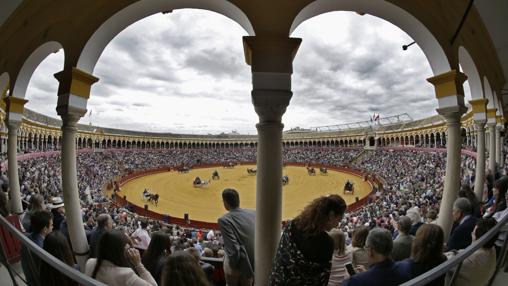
{"x":376,"y":118}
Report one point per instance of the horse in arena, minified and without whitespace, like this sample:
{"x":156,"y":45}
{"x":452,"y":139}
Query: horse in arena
{"x":150,"y":197}
{"x":285,"y":180}
{"x":200,"y":183}
{"x":183,"y":169}
{"x":215,"y":175}
{"x":349,"y":188}
{"x":229,"y":165}
{"x":154,"y":199}
{"x":251,"y":171}
{"x":311,"y":171}
{"x":323,"y":171}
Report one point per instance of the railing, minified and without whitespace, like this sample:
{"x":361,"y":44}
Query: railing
{"x":443,"y":268}
{"x":63,"y":268}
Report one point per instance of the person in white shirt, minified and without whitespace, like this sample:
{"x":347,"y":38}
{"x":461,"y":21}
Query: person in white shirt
{"x":140,"y":237}
{"x":210,"y":235}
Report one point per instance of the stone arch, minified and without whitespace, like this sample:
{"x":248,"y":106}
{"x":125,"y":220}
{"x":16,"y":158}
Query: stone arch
{"x":469,"y":69}
{"x":142,"y":9}
{"x":5,"y":82}
{"x":433,"y":51}
{"x":487,"y":90}
{"x":31,"y":63}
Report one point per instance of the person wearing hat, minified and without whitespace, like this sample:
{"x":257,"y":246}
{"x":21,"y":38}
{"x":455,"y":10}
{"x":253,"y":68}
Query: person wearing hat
{"x":58,"y":211}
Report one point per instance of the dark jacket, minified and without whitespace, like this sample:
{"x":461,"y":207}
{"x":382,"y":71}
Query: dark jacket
{"x":94,"y":240}
{"x":415,"y":269}
{"x":461,"y":234}
{"x":30,"y":262}
{"x":386,"y":273}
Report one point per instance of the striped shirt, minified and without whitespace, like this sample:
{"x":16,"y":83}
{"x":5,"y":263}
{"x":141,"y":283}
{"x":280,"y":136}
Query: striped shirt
{"x":338,"y":270}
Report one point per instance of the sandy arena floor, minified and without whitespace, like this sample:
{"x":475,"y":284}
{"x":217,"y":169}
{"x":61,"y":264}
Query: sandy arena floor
{"x":178,"y":196}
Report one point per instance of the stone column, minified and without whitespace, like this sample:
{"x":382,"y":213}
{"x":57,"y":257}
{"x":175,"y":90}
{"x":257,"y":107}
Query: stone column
{"x":14,"y":193}
{"x":450,"y":95}
{"x":73,"y":93}
{"x":480,"y":161}
{"x":491,"y":123}
{"x":15,"y":110}
{"x":70,"y":187}
{"x":271,"y":61}
{"x":492,"y":147}
{"x":498,"y":144}
{"x":452,"y":178}
{"x":480,"y":118}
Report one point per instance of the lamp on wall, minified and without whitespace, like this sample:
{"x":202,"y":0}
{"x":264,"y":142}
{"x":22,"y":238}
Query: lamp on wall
{"x":404,"y":47}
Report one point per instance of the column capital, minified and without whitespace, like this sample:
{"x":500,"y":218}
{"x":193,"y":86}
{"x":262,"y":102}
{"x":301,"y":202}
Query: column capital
{"x":491,"y":115}
{"x":452,"y":114}
{"x":15,"y":108}
{"x":479,"y":109}
{"x":74,"y":90}
{"x":270,"y":105}
{"x":500,"y":119}
{"x":448,"y":88}
{"x":13,"y":126}
{"x":70,"y":120}
{"x":270,"y":54}
{"x":491,"y":125}
{"x":480,"y":124}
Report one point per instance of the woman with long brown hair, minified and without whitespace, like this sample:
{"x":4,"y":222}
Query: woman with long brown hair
{"x":305,"y":249}
{"x":181,"y":269}
{"x":114,"y":259}
{"x":426,"y":252}
{"x":156,"y":254}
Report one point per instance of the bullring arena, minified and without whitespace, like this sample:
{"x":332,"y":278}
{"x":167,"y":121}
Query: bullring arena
{"x":179,"y":89}
{"x":178,"y":195}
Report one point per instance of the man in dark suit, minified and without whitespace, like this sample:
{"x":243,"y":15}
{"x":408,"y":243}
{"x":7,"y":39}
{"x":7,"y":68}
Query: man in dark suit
{"x":237,"y":228}
{"x":463,"y":224}
{"x":383,"y":271}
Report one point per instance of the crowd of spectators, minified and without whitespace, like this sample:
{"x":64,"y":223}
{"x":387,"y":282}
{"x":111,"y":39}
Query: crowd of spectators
{"x":412,"y":189}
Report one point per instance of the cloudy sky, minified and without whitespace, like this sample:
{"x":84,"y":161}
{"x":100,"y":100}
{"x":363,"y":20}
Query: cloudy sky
{"x":184,"y":72}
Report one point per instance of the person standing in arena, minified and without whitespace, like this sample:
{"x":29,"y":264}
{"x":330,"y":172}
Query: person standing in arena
{"x":237,"y":229}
